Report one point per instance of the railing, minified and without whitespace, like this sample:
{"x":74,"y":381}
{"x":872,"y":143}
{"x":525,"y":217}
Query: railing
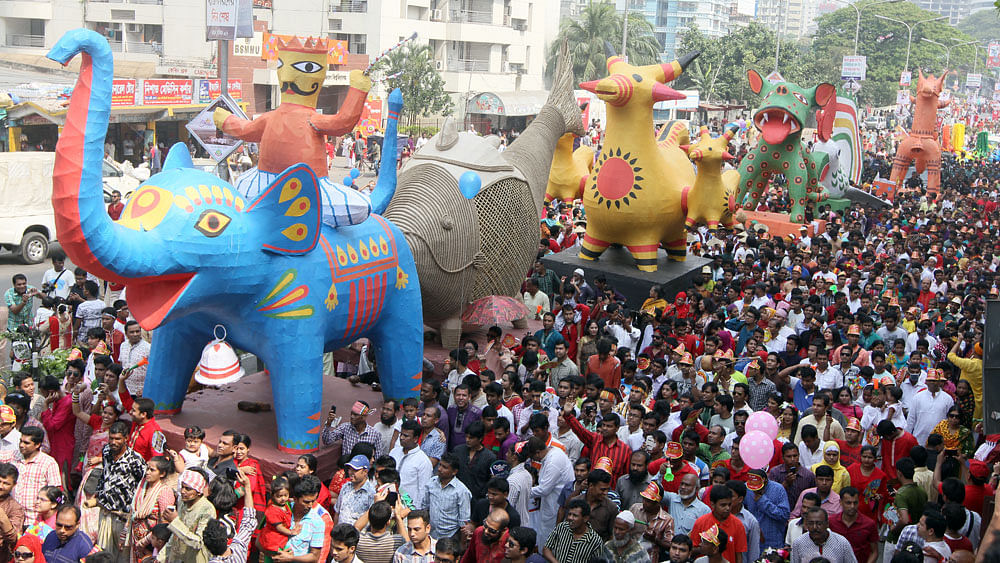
{"x":470,"y":16}
{"x":348,"y":6}
{"x":468,"y":65}
{"x":142,"y":48}
{"x":116,"y":46}
{"x":14,"y":40}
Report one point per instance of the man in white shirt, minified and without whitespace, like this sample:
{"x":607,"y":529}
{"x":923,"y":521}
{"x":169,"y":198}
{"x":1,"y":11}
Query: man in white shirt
{"x":932,"y":404}
{"x":414,"y":467}
{"x":914,"y":382}
{"x":57,"y":279}
{"x":134,"y":350}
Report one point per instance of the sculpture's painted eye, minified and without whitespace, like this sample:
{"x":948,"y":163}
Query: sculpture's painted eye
{"x":212,"y":223}
{"x":308,"y":67}
{"x":281,"y":63}
{"x":800,"y":98}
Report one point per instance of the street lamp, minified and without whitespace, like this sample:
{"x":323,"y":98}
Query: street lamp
{"x":947,"y":50}
{"x":909,"y":29}
{"x":857,"y":26}
{"x":975,"y":58}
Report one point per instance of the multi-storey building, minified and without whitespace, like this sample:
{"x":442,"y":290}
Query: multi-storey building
{"x":956,"y":10}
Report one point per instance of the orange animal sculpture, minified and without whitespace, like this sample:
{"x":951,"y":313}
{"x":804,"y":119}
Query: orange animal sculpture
{"x":712,"y":199}
{"x":570,"y":169}
{"x":633,"y":195}
{"x":920,"y":147}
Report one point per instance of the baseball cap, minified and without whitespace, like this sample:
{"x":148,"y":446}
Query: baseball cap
{"x":359,"y":462}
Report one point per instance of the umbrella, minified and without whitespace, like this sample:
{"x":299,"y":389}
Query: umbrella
{"x":493,"y":310}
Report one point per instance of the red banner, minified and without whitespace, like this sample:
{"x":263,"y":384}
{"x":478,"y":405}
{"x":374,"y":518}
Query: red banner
{"x":884,"y":189}
{"x":993,"y":55}
{"x":123,"y":92}
{"x":371,"y":118}
{"x":170,"y":91}
{"x":209,"y":89}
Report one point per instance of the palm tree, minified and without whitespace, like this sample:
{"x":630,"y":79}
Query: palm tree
{"x":600,"y":22}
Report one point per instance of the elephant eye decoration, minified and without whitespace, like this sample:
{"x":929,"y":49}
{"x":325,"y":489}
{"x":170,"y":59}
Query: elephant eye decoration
{"x":212,"y":223}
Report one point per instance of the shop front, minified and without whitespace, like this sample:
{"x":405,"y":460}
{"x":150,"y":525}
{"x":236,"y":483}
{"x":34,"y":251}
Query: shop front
{"x":492,"y":112}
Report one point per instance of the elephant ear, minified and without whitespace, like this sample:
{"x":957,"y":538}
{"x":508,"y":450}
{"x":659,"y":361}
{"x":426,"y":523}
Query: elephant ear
{"x":288,"y":213}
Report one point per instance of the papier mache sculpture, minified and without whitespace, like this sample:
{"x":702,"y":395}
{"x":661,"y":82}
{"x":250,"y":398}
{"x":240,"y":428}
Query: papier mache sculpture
{"x":193,"y":253}
{"x":712,"y":199}
{"x":840,"y":138}
{"x":294,"y":132}
{"x":780,"y":119}
{"x":920,"y":147}
{"x":570,"y":169}
{"x":633,"y":195}
{"x":474,"y":239}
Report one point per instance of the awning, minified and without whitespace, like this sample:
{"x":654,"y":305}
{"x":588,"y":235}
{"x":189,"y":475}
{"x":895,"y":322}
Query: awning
{"x":527,"y":102}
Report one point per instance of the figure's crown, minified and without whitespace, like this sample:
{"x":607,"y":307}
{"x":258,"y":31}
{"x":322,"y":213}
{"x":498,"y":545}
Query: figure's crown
{"x":311,"y":45}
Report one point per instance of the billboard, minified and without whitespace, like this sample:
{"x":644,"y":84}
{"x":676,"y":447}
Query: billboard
{"x":853,"y":67}
{"x":226,"y":20}
{"x":993,"y":55}
{"x":167,"y":91}
{"x":209,"y":89}
{"x":123,"y":92}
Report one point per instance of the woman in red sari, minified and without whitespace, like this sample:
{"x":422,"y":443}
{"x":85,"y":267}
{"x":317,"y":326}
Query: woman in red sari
{"x":870,"y":481}
{"x":251,"y":468}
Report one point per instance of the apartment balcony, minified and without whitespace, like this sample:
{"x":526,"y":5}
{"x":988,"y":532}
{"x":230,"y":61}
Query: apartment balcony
{"x":470,"y":16}
{"x":17,"y":40}
{"x":468,"y":65}
{"x":350,"y":6}
{"x":26,"y":9}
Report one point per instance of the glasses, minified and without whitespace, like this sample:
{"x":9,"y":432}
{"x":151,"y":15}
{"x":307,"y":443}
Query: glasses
{"x":23,"y":555}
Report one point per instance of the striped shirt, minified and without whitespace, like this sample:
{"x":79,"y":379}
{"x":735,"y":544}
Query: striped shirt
{"x":619,"y":452}
{"x":378,"y":548}
{"x":350,"y":436}
{"x":567,"y":549}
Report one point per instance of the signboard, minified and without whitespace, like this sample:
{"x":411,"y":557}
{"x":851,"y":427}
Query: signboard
{"x":884,"y":189}
{"x":775,"y":77}
{"x":226,"y":20}
{"x":903,"y":98}
{"x":336,"y":52}
{"x":248,"y":47}
{"x":852,"y":87}
{"x":853,"y":67}
{"x":689,"y":103}
{"x":905,"y":78}
{"x":266,"y":4}
{"x":167,"y":91}
{"x":993,"y":55}
{"x":487,"y":102}
{"x":123,"y":92}
{"x":371,"y":118}
{"x":187,"y":71}
{"x":209,"y":90}
{"x":973,"y":80}
{"x":218,"y":144}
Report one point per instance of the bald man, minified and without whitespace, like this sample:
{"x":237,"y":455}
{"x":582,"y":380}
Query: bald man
{"x":489,"y":540}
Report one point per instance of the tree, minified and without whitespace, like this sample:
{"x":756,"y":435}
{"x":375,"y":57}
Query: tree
{"x":720,"y":70}
{"x":982,"y":26}
{"x":884,"y":42}
{"x":411,"y":69}
{"x":600,"y":22}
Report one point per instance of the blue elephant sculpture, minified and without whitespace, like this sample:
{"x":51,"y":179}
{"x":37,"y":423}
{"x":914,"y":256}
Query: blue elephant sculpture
{"x":192,"y":254}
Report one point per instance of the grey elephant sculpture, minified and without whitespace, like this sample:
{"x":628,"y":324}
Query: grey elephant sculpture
{"x":473,"y":245}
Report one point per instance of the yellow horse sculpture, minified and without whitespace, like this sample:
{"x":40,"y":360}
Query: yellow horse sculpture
{"x":633,"y":195}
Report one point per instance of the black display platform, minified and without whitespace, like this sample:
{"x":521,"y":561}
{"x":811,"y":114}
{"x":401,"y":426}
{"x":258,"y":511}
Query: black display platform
{"x":619,"y":268}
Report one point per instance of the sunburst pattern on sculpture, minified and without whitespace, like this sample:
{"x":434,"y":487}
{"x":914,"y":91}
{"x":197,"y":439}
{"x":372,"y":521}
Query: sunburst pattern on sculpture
{"x":617,"y":178}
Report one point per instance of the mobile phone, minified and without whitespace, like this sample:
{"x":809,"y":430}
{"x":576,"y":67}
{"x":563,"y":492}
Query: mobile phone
{"x":232,"y":474}
{"x":951,"y":453}
{"x":391,"y":498}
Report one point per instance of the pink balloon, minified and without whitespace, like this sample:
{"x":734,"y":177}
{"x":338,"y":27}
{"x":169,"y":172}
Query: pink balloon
{"x":756,"y":449}
{"x":763,"y":421}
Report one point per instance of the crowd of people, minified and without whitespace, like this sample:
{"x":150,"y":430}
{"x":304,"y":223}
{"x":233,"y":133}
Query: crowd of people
{"x":612,"y":433}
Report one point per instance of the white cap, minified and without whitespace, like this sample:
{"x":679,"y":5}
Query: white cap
{"x":579,"y":272}
{"x":627,"y":517}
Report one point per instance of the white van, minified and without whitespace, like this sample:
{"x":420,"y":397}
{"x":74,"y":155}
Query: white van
{"x":27,"y":224}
